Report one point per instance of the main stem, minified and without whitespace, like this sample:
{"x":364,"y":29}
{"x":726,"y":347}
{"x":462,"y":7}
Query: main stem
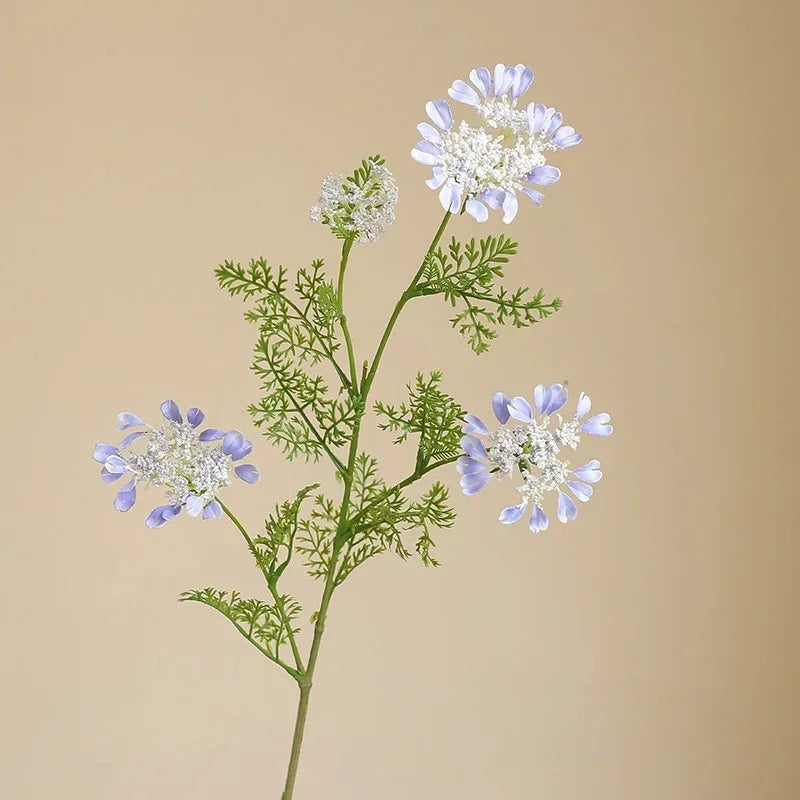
{"x":305,"y":678}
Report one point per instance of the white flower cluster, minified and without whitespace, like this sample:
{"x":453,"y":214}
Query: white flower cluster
{"x":360,"y":206}
{"x":532,"y":450}
{"x":177,"y":460}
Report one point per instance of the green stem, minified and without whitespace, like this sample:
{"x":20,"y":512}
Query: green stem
{"x":306,"y":679}
{"x":346,"y":247}
{"x":273,"y":588}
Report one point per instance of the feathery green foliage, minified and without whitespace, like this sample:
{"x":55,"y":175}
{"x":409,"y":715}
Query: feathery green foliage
{"x":262,"y":624}
{"x":431,"y":414}
{"x":467,"y":274}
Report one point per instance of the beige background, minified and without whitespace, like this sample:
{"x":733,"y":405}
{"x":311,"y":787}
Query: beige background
{"x":648,"y":651}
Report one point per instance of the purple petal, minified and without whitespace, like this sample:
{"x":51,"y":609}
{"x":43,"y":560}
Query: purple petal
{"x":520,"y":409}
{"x":474,"y":447}
{"x":596,"y":425}
{"x":537,"y":197}
{"x":464,"y":93}
{"x":426,"y":152}
{"x":232,"y":442}
{"x":581,"y":490}
{"x":128,"y":420}
{"x":500,"y":407}
{"x":564,"y":132}
{"x":211,"y":434}
{"x":493,"y":198}
{"x":472,"y":484}
{"x":474,"y":425}
{"x":102,"y":450}
{"x":429,"y":133}
{"x":510,"y":206}
{"x":569,"y":141}
{"x":583,"y":407}
{"x":116,"y":465}
{"x":161,"y":515}
{"x":589,"y":472}
{"x":482,"y":78}
{"x":109,"y":477}
{"x":437,"y":179}
{"x":567,"y":510}
{"x":194,"y":505}
{"x":557,"y":398}
{"x":539,"y":398}
{"x":455,"y":200}
{"x":195,"y":416}
{"x":469,"y":466}
{"x":248,"y":473}
{"x":477,"y":209}
{"x":446,"y":196}
{"x":440,"y":114}
{"x":535,"y":112}
{"x":552,"y":125}
{"x":170,"y":411}
{"x":538,"y":521}
{"x":544,"y":175}
{"x":131,"y":437}
{"x":503,"y":79}
{"x":523,"y":78}
{"x":212,"y":511}
{"x":126,"y":496}
{"x":512,"y":513}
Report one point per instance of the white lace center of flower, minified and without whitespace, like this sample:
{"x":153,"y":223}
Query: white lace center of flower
{"x":532,"y":450}
{"x":365,"y":211}
{"x":177,"y":460}
{"x":478,"y":160}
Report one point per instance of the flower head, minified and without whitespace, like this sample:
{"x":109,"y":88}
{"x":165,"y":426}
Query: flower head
{"x":190,"y":466}
{"x":490,"y":163}
{"x":361,"y":206}
{"x":529,"y":447}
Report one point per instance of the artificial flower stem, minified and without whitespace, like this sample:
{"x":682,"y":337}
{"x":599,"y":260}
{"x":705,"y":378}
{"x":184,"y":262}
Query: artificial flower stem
{"x":346,"y":247}
{"x":305,"y":680}
{"x":273,"y":588}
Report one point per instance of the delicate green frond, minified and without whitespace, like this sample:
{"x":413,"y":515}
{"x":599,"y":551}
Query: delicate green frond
{"x":315,"y":536}
{"x":384,"y":515}
{"x":467,"y":274}
{"x":280,"y":531}
{"x":431,"y":413}
{"x":259,"y":622}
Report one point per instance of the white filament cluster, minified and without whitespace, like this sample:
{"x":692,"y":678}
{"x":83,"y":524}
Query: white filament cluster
{"x":364,"y":211}
{"x":177,"y":460}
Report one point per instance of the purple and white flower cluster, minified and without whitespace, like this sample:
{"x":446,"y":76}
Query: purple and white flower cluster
{"x":490,"y":164}
{"x":525,"y":445}
{"x":191,"y":466}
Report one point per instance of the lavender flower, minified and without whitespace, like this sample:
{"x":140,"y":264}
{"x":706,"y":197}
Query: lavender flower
{"x":190,"y":466}
{"x":529,"y":448}
{"x":490,"y":164}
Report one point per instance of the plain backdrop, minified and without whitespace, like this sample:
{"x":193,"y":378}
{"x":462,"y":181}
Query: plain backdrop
{"x":650,"y":649}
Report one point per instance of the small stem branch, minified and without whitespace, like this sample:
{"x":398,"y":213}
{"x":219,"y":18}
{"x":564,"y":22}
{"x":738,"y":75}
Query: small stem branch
{"x":346,"y":247}
{"x":273,"y":589}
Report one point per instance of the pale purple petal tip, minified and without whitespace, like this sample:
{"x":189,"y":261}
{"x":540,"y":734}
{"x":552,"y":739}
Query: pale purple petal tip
{"x":567,"y":510}
{"x":538,"y":521}
{"x":465,"y":465}
{"x":212,"y":511}
{"x":440,"y":113}
{"x":557,"y":398}
{"x":161,"y":515}
{"x":520,"y":409}
{"x":523,"y":78}
{"x":544,"y":176}
{"x":510,"y":206}
{"x":195,"y":416}
{"x":170,"y":411}
{"x":583,"y":407}
{"x":194,"y":505}
{"x":598,"y":425}
{"x":128,"y":420}
{"x":109,"y":477}
{"x":211,"y":435}
{"x":248,"y":473}
{"x":116,"y":465}
{"x":232,"y":442}
{"x":126,"y":496}
{"x":482,"y":79}
{"x":589,"y":472}
{"x":474,"y":447}
{"x":581,"y":490}
{"x":477,"y":209}
{"x":472,"y":484}
{"x":500,"y":407}
{"x":474,"y":425}
{"x":130,"y":438}
{"x":102,"y":450}
{"x":512,"y":514}
{"x":463,"y":93}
